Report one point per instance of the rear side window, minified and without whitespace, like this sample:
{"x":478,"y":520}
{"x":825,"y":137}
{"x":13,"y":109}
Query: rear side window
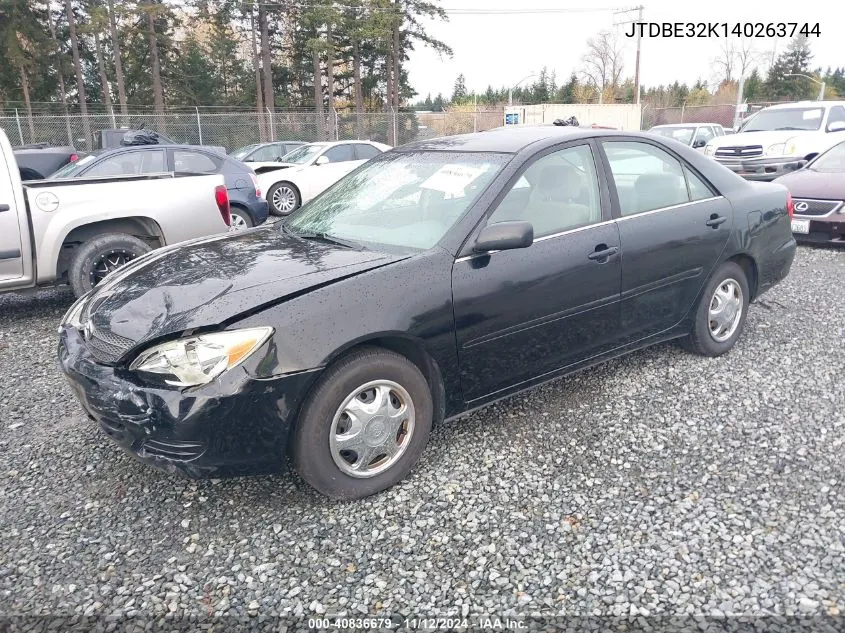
{"x":263,"y":154}
{"x":129,"y":164}
{"x":648,"y":178}
{"x":365,"y":151}
{"x":193,"y":162}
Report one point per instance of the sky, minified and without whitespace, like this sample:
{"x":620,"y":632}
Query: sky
{"x":501,"y":49}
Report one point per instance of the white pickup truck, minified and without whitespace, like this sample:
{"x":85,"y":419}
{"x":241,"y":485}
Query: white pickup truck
{"x":78,"y":231}
{"x":780,"y":139}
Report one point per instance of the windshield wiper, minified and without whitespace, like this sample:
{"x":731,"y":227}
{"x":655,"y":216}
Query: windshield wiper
{"x":789,"y":128}
{"x":322,"y":236}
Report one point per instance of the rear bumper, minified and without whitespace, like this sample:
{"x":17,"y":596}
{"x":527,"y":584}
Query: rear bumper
{"x":259,"y":209}
{"x":761,"y":168}
{"x":828,"y":230}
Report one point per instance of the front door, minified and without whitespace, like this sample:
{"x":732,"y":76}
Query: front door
{"x":673,"y":227}
{"x":525,"y":313}
{"x":11,"y":259}
{"x":341,"y":161}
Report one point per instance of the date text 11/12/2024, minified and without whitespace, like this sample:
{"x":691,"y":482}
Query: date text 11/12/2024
{"x":722,"y":29}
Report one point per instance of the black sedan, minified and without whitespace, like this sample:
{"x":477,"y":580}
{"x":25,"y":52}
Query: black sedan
{"x":434,"y":279}
{"x":248,"y":206}
{"x":818,"y":190}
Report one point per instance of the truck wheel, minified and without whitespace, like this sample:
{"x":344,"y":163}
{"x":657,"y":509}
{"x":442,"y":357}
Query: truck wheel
{"x":95,"y":259}
{"x":284,"y":198}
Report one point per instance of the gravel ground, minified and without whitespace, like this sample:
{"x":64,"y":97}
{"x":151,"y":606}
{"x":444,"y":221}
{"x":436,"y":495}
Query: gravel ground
{"x":662,"y":484}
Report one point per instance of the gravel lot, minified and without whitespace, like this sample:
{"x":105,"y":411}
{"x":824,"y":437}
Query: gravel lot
{"x":661,"y":483}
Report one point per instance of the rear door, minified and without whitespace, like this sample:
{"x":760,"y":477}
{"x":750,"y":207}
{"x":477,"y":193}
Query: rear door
{"x":11,"y":257}
{"x":673,"y":227}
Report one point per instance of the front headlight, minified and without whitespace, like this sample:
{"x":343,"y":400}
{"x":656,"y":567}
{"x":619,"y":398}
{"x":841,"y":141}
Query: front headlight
{"x":709,"y":150}
{"x":791,"y":147}
{"x":73,"y":317}
{"x":198,"y":360}
{"x":776,"y":149}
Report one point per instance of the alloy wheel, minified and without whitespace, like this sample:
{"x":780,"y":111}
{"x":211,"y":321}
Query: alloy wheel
{"x":284,"y":199}
{"x":108,"y":262}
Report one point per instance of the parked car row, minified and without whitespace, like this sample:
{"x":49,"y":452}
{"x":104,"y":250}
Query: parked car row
{"x":800,"y":145}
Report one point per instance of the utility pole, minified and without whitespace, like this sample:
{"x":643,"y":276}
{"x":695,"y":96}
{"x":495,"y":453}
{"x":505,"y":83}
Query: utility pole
{"x":639,"y":20}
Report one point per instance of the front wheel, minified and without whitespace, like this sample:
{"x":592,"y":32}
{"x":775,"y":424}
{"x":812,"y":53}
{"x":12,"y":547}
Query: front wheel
{"x":364,"y":426}
{"x":100,"y":256}
{"x":721,"y":312}
{"x":284,"y":198}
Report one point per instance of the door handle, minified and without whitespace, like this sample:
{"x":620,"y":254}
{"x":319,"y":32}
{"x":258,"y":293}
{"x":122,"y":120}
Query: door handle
{"x":4,"y":207}
{"x":716,"y":220}
{"x":602,"y":252}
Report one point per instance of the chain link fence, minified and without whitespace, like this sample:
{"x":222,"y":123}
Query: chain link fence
{"x":237,"y":129}
{"x":722,"y":114}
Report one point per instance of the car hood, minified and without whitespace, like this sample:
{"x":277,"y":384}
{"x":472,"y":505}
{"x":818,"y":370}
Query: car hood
{"x":269,"y":170}
{"x":757,"y":138}
{"x":207,"y":282}
{"x":806,"y":183}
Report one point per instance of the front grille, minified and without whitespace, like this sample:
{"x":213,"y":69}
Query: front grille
{"x":107,"y":347}
{"x":815,"y":207}
{"x":173,"y":450}
{"x":739,"y":151}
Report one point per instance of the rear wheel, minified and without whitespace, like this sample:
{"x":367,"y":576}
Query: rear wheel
{"x":721,"y":312}
{"x":364,"y":426}
{"x":240,"y":219}
{"x":100,"y":256}
{"x":284,"y":198}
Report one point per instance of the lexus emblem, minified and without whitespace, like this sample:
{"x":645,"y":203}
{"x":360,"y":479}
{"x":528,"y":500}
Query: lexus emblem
{"x":801,"y":206}
{"x":86,"y":331}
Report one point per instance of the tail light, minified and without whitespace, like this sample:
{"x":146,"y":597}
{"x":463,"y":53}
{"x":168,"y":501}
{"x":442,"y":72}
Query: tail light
{"x":221,"y":197}
{"x":790,"y":205}
{"x":74,"y":158}
{"x":256,"y":185}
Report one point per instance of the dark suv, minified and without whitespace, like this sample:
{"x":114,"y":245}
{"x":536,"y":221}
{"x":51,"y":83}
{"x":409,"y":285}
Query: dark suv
{"x":248,"y":206}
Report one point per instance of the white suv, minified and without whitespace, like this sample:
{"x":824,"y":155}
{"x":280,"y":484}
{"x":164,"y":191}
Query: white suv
{"x":780,"y":139}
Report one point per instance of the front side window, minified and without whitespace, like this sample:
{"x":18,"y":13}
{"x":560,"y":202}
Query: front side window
{"x":129,"y":164}
{"x":556,"y":193}
{"x":303,"y":154}
{"x":785,"y":119}
{"x":340,"y":154}
{"x":365,"y":151}
{"x":646,"y":177}
{"x":837,"y":115}
{"x":407,"y":200}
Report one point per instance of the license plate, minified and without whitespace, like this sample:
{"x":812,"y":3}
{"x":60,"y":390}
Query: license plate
{"x":801,"y":226}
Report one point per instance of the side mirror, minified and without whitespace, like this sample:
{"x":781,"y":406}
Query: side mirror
{"x":699,"y":143}
{"x":836,"y":126}
{"x":503,"y":236}
{"x":322,"y":160}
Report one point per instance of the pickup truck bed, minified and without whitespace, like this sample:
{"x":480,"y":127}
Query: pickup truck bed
{"x":78,"y":230}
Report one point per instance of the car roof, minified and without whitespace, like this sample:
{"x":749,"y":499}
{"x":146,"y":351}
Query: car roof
{"x":508,"y":139}
{"x":123,"y":148}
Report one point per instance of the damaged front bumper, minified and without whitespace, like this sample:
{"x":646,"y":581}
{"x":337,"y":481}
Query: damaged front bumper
{"x":236,"y":425}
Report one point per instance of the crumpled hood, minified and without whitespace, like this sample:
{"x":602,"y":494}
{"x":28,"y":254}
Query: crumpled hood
{"x":206,"y":282}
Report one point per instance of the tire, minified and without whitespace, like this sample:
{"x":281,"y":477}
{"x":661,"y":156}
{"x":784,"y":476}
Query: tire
{"x":245,"y":219}
{"x":285,"y":190}
{"x":730,"y":280}
{"x":81,"y":273}
{"x":318,"y":458}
